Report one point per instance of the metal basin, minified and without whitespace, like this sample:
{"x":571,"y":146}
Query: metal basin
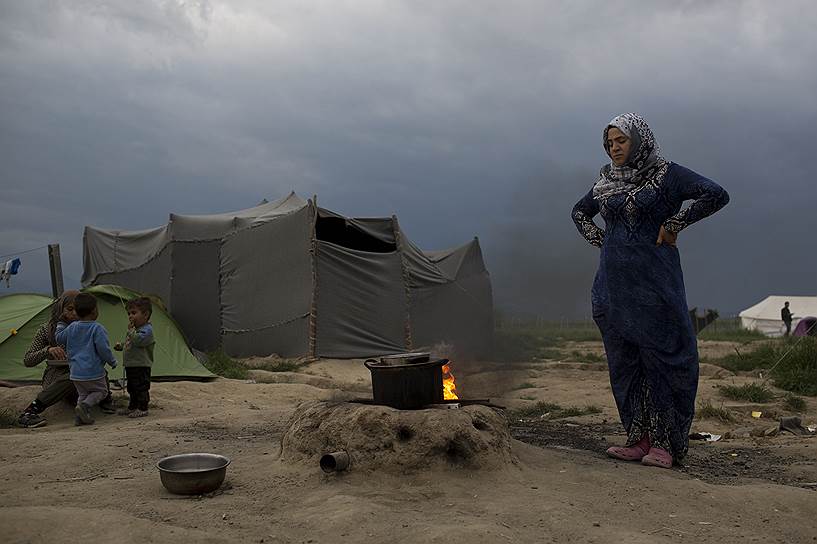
{"x":193,"y":473}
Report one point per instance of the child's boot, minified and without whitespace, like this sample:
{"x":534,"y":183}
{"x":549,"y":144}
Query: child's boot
{"x":30,"y":420}
{"x":83,"y":412}
{"x":107,"y":405}
{"x":31,"y":416}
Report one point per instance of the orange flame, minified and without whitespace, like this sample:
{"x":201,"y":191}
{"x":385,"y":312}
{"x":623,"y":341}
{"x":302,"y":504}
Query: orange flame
{"x":449,"y":388}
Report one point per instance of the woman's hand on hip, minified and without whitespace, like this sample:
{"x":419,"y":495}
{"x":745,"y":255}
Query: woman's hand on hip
{"x":666,"y":237}
{"x":57,"y":353}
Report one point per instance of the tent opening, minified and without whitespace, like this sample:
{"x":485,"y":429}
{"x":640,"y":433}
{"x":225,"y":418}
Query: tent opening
{"x":339,"y":231}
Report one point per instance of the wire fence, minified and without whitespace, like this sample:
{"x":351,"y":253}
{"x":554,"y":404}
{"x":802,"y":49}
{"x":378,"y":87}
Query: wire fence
{"x":514,"y":322}
{"x":724,"y":324}
{"x":721,"y":329}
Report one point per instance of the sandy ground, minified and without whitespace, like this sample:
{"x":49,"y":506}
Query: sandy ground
{"x":99,"y":483}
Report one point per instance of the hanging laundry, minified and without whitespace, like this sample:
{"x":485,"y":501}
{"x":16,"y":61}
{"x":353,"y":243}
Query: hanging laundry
{"x":9,"y":269}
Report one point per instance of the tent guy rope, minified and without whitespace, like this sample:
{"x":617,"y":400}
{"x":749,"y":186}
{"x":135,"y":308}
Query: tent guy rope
{"x":780,"y":360}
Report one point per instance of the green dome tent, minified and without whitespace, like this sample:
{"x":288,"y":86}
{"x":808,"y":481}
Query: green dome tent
{"x":22,"y":314}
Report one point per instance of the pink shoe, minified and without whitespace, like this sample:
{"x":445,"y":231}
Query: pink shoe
{"x":658,"y":458}
{"x":633,"y":453}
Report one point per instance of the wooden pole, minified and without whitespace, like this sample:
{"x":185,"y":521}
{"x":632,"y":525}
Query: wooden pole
{"x":313,"y":304}
{"x":55,"y":263}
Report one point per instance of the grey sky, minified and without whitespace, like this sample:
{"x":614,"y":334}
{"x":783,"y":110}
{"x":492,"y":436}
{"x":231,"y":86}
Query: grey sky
{"x":463,"y":118}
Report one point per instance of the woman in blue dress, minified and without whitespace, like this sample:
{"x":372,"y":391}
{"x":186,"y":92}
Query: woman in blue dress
{"x":638,"y":297}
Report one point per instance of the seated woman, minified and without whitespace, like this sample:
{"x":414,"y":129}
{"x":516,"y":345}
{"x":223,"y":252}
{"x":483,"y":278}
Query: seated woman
{"x":56,"y":382}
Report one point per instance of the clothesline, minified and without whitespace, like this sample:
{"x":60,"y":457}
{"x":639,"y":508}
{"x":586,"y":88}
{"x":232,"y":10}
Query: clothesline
{"x":23,"y":252}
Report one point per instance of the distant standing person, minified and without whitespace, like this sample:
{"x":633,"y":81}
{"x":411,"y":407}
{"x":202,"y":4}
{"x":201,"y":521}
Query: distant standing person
{"x":86,"y":342}
{"x":138,"y":356}
{"x":786,"y":316}
{"x":638,"y":296}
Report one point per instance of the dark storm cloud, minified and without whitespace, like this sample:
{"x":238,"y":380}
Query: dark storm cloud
{"x":463,"y":118}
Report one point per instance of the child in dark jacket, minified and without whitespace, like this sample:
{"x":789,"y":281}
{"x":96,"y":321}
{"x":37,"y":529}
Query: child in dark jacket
{"x":137,"y":356}
{"x":86,"y":342}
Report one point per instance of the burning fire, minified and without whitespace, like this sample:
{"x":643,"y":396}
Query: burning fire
{"x":449,"y":388}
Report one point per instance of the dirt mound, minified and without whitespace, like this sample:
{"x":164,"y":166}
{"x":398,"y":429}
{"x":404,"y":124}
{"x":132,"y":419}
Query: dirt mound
{"x":382,"y":438}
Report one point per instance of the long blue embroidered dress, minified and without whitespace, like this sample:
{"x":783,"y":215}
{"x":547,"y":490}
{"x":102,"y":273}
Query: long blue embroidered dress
{"x":639,"y":301}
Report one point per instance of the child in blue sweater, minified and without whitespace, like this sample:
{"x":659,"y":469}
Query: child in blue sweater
{"x":86,"y":342}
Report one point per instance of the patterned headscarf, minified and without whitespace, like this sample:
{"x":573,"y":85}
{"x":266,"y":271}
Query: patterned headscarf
{"x":643,"y":162}
{"x":57,"y":309}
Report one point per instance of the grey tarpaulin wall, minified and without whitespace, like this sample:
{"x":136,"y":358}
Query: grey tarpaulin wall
{"x":266,"y":286}
{"x":289,"y":278}
{"x":450,"y":297}
{"x":361,"y":302}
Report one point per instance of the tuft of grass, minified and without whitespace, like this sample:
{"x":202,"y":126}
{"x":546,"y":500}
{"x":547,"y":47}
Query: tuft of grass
{"x":584,"y":333}
{"x":517,"y":345}
{"x":535,"y":410}
{"x":729,"y":330}
{"x":793,"y":403}
{"x":707,"y":411}
{"x":587,"y":357}
{"x":763,"y":356}
{"x":7,"y":418}
{"x":576,"y":411}
{"x":752,"y":392}
{"x":792,"y":363}
{"x":797,"y":371}
{"x":527,"y":397}
{"x":542,"y":408}
{"x":283,"y":365}
{"x":548,"y":354}
{"x":223,"y":365}
{"x":520,"y":340}
{"x":525,"y":385}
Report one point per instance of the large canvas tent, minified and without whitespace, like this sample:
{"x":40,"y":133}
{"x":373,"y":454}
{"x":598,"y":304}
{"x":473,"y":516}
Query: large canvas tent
{"x":765,"y":315}
{"x":22,"y":314}
{"x":291,"y":278}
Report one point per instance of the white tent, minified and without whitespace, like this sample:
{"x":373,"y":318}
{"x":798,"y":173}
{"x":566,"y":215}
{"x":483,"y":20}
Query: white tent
{"x":765,"y":315}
